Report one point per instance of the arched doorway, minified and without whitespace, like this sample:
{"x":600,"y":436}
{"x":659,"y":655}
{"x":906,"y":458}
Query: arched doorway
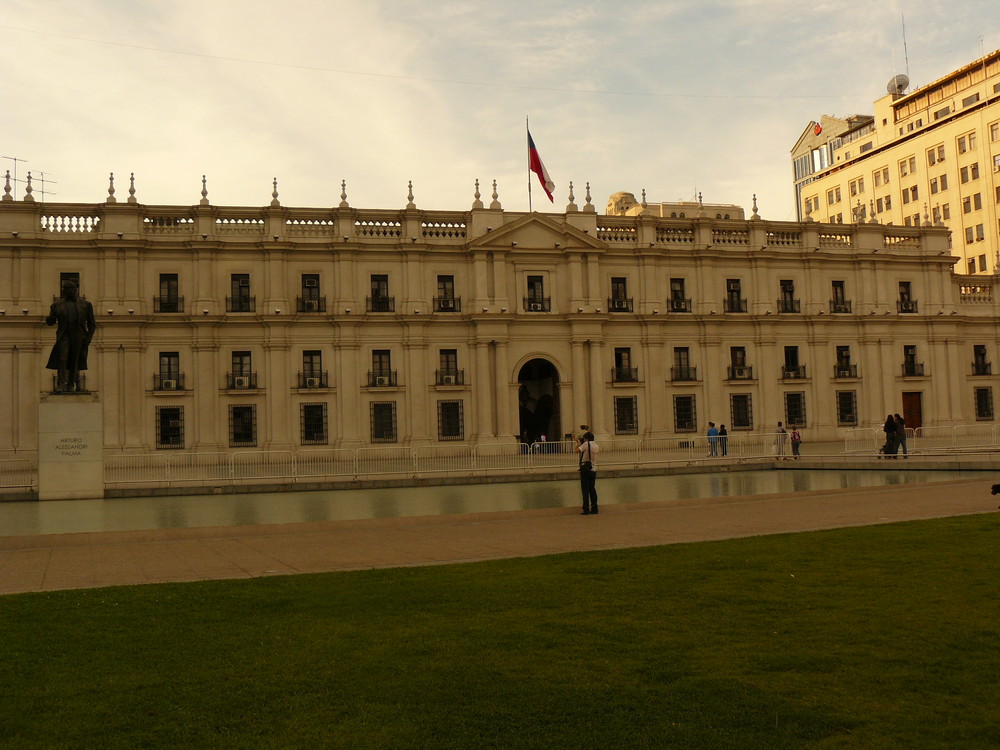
{"x":538,"y":401}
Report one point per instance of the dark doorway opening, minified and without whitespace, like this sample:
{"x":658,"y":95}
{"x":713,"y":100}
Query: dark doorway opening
{"x":538,"y":401}
{"x":912,"y":411}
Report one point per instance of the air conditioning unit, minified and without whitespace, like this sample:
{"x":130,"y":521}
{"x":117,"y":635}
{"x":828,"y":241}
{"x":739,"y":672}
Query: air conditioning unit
{"x":241,"y":381}
{"x":907,"y":306}
{"x":741,"y":372}
{"x":312,"y":382}
{"x":678,"y":305}
{"x":382,"y":380}
{"x":447,"y":380}
{"x":310,"y":283}
{"x":168,"y":385}
{"x":310,"y":305}
{"x":535,"y":307}
{"x":446,"y":304}
{"x":619,"y":304}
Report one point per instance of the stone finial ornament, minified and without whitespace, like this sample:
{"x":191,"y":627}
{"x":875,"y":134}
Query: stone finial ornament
{"x":409,"y":195}
{"x":274,"y":194}
{"x":571,"y":206}
{"x":111,"y":190}
{"x":204,"y":191}
{"x":343,"y":194}
{"x":871,"y":207}
{"x":643,"y":203}
{"x":496,"y":198}
{"x":477,"y":203}
{"x":28,"y":197}
{"x":588,"y":207}
{"x":755,"y":216}
{"x":6,"y":189}
{"x":131,"y":188}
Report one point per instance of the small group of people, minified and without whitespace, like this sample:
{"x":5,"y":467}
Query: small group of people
{"x":895,"y":435}
{"x":718,"y":440}
{"x":781,"y":436}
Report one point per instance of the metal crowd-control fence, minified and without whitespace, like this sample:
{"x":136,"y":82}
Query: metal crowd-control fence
{"x":17,"y":472}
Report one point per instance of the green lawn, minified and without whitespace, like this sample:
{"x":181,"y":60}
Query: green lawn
{"x":884,"y":636}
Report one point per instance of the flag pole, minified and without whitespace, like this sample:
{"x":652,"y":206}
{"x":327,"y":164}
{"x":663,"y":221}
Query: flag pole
{"x":527,"y":132}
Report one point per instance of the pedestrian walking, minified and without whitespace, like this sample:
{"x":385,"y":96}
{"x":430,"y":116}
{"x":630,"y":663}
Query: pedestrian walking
{"x":891,"y":436}
{"x":713,"y":440}
{"x":900,"y":432}
{"x":588,"y":451}
{"x":780,"y":436}
{"x":796,"y":440}
{"x":723,"y":440}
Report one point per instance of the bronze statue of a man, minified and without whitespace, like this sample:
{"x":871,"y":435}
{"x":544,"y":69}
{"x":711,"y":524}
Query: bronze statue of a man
{"x":73,"y":335}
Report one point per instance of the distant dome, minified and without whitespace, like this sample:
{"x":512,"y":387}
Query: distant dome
{"x":620,"y":202}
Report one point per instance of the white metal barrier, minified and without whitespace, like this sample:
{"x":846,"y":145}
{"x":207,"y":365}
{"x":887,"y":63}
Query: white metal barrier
{"x":17,"y":472}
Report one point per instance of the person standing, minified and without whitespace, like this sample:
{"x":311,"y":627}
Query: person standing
{"x":780,"y":435}
{"x":588,"y":451}
{"x":713,"y":440}
{"x":891,"y":437}
{"x":723,"y":440}
{"x":900,"y":432}
{"x":796,"y":440}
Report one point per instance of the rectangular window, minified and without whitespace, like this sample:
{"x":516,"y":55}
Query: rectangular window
{"x":685,"y":416}
{"x":170,"y":427}
{"x":934,"y":185}
{"x":314,"y":424}
{"x":242,"y":363}
{"x":446,"y":287}
{"x":970,"y":100}
{"x":847,"y":408}
{"x":741,"y":411}
{"x":536,"y":288}
{"x":451,"y":421}
{"x":240,"y":299}
{"x":626,"y":415}
{"x":382,"y":362}
{"x":995,"y":131}
{"x":619,"y":288}
{"x":795,"y":409}
{"x":984,"y":403}
{"x":243,"y":426}
{"x":380,"y":301}
{"x":169,"y":298}
{"x":448,"y":360}
{"x":972,"y":265}
{"x":310,"y":286}
{"x":170,"y":365}
{"x":383,"y":421}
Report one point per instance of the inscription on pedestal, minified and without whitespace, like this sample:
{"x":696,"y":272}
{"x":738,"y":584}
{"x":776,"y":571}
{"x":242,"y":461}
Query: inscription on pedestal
{"x":70,"y":447}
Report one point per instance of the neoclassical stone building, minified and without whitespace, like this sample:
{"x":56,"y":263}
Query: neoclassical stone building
{"x":277,"y":328}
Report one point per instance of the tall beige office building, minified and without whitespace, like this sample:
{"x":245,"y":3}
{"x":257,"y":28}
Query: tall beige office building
{"x":930,"y":156}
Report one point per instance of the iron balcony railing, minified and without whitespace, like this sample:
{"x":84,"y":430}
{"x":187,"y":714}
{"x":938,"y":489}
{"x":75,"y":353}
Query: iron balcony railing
{"x":241,"y":304}
{"x":793,"y":373}
{"x":845,"y":371}
{"x":739,"y":372}
{"x":906,"y":306}
{"x":447,"y":304}
{"x":168,"y":381}
{"x":239,"y":381}
{"x":538,"y":304}
{"x":449,"y":377}
{"x":840,"y":305}
{"x":168,"y":304}
{"x":679,"y":305}
{"x":619,"y":304}
{"x":380,"y":304}
{"x":624,"y":374}
{"x":734,"y":305}
{"x":382,"y":379}
{"x":913,"y":369}
{"x":310,"y":304}
{"x":982,"y":368}
{"x":788,"y":305}
{"x":683,"y":373}
{"x":313,"y":379}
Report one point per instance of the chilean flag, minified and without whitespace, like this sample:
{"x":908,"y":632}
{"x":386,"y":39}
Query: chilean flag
{"x":536,"y":166}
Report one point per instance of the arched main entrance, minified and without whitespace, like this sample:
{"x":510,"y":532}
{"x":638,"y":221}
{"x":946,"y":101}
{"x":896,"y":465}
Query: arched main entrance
{"x":538,"y":401}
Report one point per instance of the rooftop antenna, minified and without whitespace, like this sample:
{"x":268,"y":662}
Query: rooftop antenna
{"x":42,"y":176}
{"x":15,"y":160}
{"x":906,"y":57}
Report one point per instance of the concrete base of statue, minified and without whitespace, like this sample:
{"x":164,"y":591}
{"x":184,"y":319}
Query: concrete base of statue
{"x":70,"y":447}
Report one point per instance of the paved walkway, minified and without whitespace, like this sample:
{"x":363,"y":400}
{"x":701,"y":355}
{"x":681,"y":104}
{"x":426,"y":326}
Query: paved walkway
{"x":69,"y":561}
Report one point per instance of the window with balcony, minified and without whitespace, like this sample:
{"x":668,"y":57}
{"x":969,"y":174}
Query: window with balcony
{"x":381,"y":375}
{"x":911,"y":368}
{"x":741,"y":411}
{"x":241,"y":374}
{"x":240,"y":299}
{"x":839,"y":302}
{"x":682,"y":371}
{"x":313,"y":375}
{"x":685,"y":414}
{"x":623,"y":371}
{"x":446,"y":301}
{"x":738,"y":367}
{"x":313,"y":424}
{"x":792,"y":369}
{"x":243,"y":426}
{"x":169,"y":377}
{"x":619,"y":301}
{"x":170,"y":427}
{"x":906,"y":303}
{"x":678,"y":301}
{"x":980,"y":365}
{"x":843,"y":367}
{"x":448,"y":372}
{"x":536,"y":301}
{"x":310,"y":300}
{"x":451,"y":420}
{"x":786,"y":301}
{"x":169,"y":299}
{"x":734,"y":302}
{"x":380,"y":301}
{"x":383,"y":422}
{"x":626,"y":415}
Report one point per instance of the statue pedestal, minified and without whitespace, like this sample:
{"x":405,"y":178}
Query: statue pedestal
{"x":70,"y":447}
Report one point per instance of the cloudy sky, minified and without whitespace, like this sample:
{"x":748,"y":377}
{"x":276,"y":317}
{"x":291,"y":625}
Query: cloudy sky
{"x":674,"y":96}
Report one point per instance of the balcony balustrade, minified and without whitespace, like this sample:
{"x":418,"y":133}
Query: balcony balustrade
{"x":619,"y":304}
{"x":913,"y":369}
{"x":624,"y":374}
{"x":380,"y":304}
{"x":382,"y":379}
{"x":840,"y":306}
{"x":739,"y":372}
{"x":843,"y":370}
{"x":310,"y":304}
{"x":168,"y":304}
{"x":734,"y":305}
{"x":447,"y":304}
{"x":788,"y":305}
{"x":538,"y":304}
{"x":793,"y":373}
{"x":449,"y":377}
{"x":313,"y":379}
{"x":241,"y":304}
{"x":982,"y":368}
{"x":168,"y":381}
{"x":241,"y":381}
{"x":906,"y":306}
{"x":683,"y":374}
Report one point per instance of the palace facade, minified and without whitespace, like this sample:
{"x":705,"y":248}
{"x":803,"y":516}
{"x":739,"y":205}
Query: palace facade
{"x":280,"y":328}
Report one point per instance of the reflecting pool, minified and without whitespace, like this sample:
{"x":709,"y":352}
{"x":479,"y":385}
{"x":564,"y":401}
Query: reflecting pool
{"x":190,"y":511}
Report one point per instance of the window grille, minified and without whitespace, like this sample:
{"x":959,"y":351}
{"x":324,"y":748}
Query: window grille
{"x":313,"y":420}
{"x":847,"y":408}
{"x":243,"y":426}
{"x":169,"y":427}
{"x":626,"y":415}
{"x":383,"y":421}
{"x":685,"y":414}
{"x":795,"y":409}
{"x":451,"y":420}
{"x":741,"y":411}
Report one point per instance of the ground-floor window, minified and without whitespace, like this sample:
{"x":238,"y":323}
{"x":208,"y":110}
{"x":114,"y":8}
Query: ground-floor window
{"x":451,"y":420}
{"x":383,"y":421}
{"x":685,"y":416}
{"x":313,"y":422}
{"x":847,"y":408}
{"x":741,"y":411}
{"x":984,"y":403}
{"x":795,"y":409}
{"x":169,"y":427}
{"x":626,"y":415}
{"x":243,"y":426}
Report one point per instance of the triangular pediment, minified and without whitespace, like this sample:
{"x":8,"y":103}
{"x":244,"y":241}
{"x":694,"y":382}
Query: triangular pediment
{"x":538,"y":231}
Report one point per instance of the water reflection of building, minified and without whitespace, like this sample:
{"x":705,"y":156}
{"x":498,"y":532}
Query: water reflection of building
{"x":224,"y":329}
